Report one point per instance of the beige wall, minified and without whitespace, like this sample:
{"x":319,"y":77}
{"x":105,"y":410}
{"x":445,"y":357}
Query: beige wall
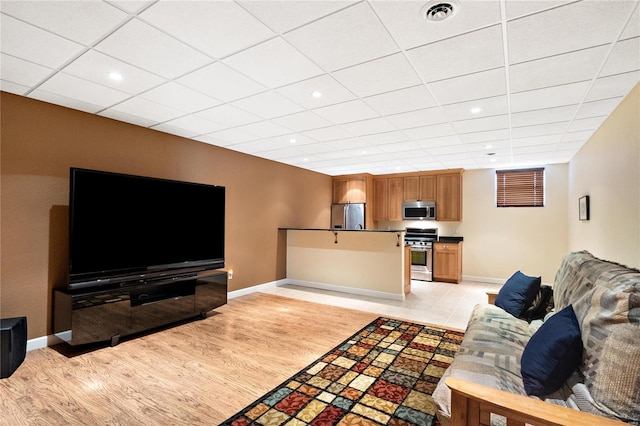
{"x":500,"y":241}
{"x":607,"y":169}
{"x":41,"y":141}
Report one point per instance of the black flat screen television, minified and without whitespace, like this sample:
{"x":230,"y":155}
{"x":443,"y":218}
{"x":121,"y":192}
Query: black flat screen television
{"x":124,"y":227}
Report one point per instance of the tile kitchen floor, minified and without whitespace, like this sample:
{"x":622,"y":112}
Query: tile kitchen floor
{"x":435,"y":303}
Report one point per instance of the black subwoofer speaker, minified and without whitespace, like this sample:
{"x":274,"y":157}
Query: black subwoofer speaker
{"x":13,"y":344}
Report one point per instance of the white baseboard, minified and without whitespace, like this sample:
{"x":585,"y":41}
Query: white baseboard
{"x":341,"y":289}
{"x":42,"y":342}
{"x":249,"y":290}
{"x":488,"y":280}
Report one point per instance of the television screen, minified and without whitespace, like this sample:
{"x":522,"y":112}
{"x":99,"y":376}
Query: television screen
{"x":122,"y":225}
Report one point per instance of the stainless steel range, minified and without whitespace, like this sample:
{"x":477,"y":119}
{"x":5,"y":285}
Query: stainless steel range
{"x":421,"y":242}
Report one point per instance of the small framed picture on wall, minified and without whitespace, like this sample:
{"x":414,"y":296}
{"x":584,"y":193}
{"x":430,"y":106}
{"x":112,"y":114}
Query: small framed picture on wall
{"x":583,"y":208}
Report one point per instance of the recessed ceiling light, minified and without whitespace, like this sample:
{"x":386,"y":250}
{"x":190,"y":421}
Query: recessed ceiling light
{"x":115,"y":76}
{"x":316,"y":94}
{"x":475,"y":110}
{"x":306,"y":159}
{"x":487,"y":146}
{"x":292,"y":140}
{"x":439,"y":10}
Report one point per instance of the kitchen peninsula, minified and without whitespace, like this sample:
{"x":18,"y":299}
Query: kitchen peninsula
{"x":366,"y":262}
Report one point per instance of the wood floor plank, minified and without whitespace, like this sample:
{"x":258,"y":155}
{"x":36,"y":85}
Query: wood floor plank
{"x":197,"y":373}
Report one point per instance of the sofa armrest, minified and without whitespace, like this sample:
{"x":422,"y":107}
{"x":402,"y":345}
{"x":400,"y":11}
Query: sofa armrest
{"x":472,"y":404}
{"x":491,"y":295}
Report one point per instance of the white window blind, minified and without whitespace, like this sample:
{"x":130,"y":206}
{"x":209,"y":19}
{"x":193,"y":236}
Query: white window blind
{"x":520,"y":188}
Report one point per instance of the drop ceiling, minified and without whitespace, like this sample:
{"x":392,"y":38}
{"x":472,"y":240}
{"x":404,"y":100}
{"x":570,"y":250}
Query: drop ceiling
{"x":499,"y":84}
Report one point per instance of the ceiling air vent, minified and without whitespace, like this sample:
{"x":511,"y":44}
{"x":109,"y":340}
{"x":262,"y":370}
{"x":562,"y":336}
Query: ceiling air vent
{"x":438,"y":10}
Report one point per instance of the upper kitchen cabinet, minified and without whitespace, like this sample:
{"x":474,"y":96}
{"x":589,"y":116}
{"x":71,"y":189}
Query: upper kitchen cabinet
{"x":350,"y":189}
{"x":449,"y":196}
{"x":387,"y":199}
{"x":420,"y":188}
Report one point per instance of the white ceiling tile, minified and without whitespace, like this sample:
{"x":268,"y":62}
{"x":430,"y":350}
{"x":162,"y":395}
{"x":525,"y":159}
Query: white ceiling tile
{"x":633,"y":26}
{"x":228,"y":115}
{"x":95,"y":66}
{"x":480,"y":85}
{"x":17,"y":89}
{"x":378,"y":76}
{"x":449,"y":149}
{"x":556,"y":70}
{"x":613,"y":86}
{"x":542,"y":116}
{"x":410,"y":29}
{"x":568,"y":94}
{"x":257,"y":146}
{"x":533,"y":149}
{"x":148,"y":109}
{"x":169,"y":58}
{"x":387,"y":137}
{"x":598,"y":108}
{"x":174,"y":130}
{"x":22,"y":72}
{"x":625,"y":57}
{"x":368,"y":127}
{"x":496,"y":122}
{"x":536,"y":140}
{"x":518,"y":8}
{"x":486,"y":136}
{"x":82,"y":90}
{"x":577,"y":136}
{"x":352,"y":144}
{"x":217,"y":28}
{"x":484,"y":147}
{"x":233,"y":136}
{"x":127,"y":118}
{"x":283,"y":16}
{"x":328,"y":133}
{"x":417,"y":155}
{"x":348,"y":37}
{"x":540,"y":130}
{"x":212,"y":140}
{"x":273,"y":63}
{"x":399,"y":147}
{"x":403,"y":100}
{"x":302,"y":121}
{"x":268,"y":105}
{"x":427,"y":132}
{"x":35,"y":45}
{"x":197,"y":125}
{"x":346,"y":112}
{"x":264,"y":129}
{"x":472,"y":52}
{"x":331,"y":92}
{"x":84,"y":22}
{"x":529,"y":37}
{"x":295,"y":140}
{"x":221,"y":82}
{"x":56,"y":99}
{"x":131,"y":6}
{"x":176,"y":96}
{"x":591,"y":123}
{"x":496,"y":105}
{"x":422,"y":117}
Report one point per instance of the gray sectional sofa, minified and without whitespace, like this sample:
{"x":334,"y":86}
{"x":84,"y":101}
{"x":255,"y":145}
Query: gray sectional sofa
{"x":605,"y":299}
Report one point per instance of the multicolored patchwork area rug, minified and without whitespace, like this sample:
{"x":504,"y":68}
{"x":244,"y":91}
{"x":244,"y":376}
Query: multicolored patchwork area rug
{"x":383,"y":375}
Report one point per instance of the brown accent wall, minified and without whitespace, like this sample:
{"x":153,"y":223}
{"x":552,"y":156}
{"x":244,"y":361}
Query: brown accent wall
{"x":40,"y":141}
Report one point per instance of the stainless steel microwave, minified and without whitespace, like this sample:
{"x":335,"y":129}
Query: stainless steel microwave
{"x":419,"y":210}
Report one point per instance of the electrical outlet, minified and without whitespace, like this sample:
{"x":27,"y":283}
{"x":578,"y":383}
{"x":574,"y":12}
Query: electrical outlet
{"x":230,"y":274}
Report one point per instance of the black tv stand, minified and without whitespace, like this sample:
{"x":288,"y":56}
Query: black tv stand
{"x":94,"y":315}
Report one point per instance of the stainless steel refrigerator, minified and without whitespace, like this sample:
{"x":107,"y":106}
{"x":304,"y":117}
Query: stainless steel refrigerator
{"x":347,"y":216}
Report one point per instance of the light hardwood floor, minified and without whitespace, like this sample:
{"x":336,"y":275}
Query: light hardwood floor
{"x":198,"y":373}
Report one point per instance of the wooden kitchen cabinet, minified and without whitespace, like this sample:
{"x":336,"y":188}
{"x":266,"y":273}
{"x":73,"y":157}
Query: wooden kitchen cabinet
{"x":387,"y":199}
{"x":449,"y":196}
{"x":447,"y":262}
{"x":407,"y":269}
{"x":349,"y":190}
{"x":420,"y":188}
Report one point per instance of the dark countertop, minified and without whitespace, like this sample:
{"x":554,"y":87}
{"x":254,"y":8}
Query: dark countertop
{"x":446,"y":239}
{"x":343,"y":230}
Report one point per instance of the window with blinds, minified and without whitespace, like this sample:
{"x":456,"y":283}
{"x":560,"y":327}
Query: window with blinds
{"x":520,"y":188}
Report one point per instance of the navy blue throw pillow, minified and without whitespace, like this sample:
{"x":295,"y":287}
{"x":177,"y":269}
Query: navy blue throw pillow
{"x":517,"y":293}
{"x":552,"y":354}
